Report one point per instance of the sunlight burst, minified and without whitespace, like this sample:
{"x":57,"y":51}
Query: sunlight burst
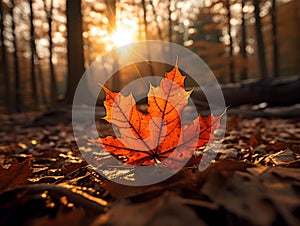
{"x":122,"y":37}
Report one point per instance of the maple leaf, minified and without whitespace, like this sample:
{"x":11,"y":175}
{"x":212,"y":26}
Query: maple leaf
{"x":151,"y":137}
{"x":16,"y":174}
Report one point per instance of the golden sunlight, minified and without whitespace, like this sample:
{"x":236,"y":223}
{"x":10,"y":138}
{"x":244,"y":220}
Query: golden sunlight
{"x":122,"y":37}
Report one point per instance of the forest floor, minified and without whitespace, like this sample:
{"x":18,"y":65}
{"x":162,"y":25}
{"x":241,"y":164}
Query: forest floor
{"x":255,"y":179}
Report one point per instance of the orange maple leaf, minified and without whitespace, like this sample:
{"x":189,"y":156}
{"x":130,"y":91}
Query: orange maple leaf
{"x":151,"y":137}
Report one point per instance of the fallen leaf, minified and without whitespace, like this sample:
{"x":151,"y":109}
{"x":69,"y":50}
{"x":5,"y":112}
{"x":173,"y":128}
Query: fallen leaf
{"x":286,"y":173}
{"x":72,"y":167}
{"x":72,"y":218}
{"x":241,"y":195}
{"x":29,"y":202}
{"x":151,"y":137}
{"x":256,"y":191}
{"x":119,"y":191}
{"x":164,"y":210}
{"x":16,"y":174}
{"x":282,"y":157}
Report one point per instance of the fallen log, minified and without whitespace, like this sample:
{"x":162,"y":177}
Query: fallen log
{"x":274,"y":92}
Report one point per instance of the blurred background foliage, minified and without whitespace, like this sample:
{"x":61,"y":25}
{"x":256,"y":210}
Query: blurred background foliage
{"x":47,"y":44}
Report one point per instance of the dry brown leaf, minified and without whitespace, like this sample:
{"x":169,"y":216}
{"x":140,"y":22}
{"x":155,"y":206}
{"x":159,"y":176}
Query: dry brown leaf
{"x":282,"y":157}
{"x":164,"y":210}
{"x":258,"y":195}
{"x":241,"y":196}
{"x":16,"y":174}
{"x":73,"y":218}
{"x":182,"y":179}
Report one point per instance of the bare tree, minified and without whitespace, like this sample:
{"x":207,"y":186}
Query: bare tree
{"x":75,"y":48}
{"x":49,"y":13}
{"x":41,"y":83}
{"x":170,"y":20}
{"x":4,"y":63}
{"x":37,"y":79}
{"x":260,"y":43}
{"x":17,"y":91}
{"x":33,"y":51}
{"x":147,"y":33}
{"x":275,"y":43}
{"x":159,"y":31}
{"x":145,"y":19}
{"x":111,"y":15}
{"x":243,"y":43}
{"x":231,"y":72}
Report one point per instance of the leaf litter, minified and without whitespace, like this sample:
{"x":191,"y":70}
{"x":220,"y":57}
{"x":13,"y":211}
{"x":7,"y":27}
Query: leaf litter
{"x":255,"y":179}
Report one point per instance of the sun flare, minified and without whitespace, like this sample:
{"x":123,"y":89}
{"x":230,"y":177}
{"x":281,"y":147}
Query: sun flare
{"x":122,"y":37}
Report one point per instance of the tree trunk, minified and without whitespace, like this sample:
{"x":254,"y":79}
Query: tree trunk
{"x":145,"y":19}
{"x":231,"y":72}
{"x":18,"y":101}
{"x":111,"y":15}
{"x":275,"y":43}
{"x":8,"y":101}
{"x":279,"y":91}
{"x":260,"y":43}
{"x":243,"y":45}
{"x":296,"y":7}
{"x":147,"y":34}
{"x":32,"y":58}
{"x":41,"y":83}
{"x":170,"y":20}
{"x":53,"y":91}
{"x":75,"y":48}
{"x":159,"y":31}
